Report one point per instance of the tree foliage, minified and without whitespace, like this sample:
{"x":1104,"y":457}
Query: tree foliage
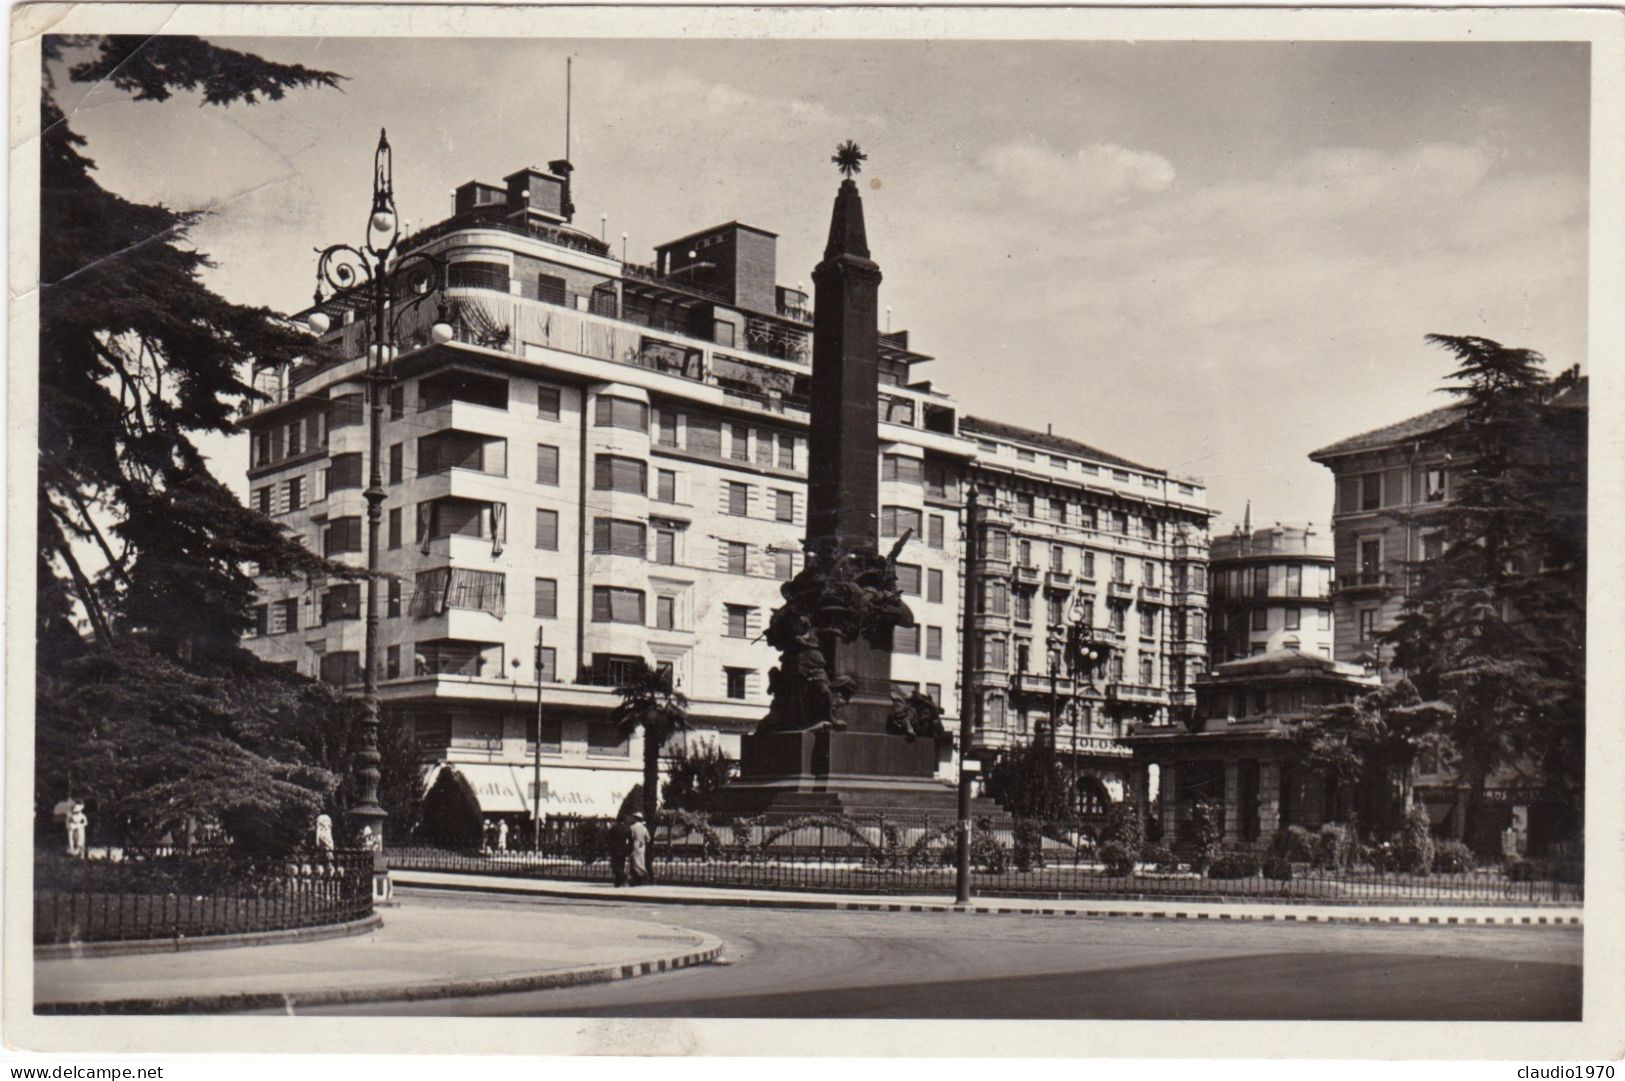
{"x":649,"y":703}
{"x":703,"y":769}
{"x":1496,"y":624}
{"x":160,"y":712}
{"x":1374,"y":740}
{"x":1028,"y":782}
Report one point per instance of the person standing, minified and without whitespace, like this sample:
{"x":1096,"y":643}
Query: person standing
{"x":640,"y":850}
{"x":620,"y":847}
{"x":78,"y":826}
{"x":502,"y":835}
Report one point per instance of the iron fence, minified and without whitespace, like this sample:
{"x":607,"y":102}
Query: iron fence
{"x":188,"y":893}
{"x":900,"y":854}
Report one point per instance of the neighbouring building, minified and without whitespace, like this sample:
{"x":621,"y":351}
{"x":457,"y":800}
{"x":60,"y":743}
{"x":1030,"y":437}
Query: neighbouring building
{"x":1390,"y":483}
{"x":1271,"y":590}
{"x":1237,"y":750}
{"x":1070,"y":534}
{"x":608,"y":461}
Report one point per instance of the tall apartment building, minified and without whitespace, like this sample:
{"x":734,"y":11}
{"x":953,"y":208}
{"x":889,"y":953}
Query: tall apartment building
{"x":1072,"y":533}
{"x":1272,"y":590}
{"x":614,"y":456}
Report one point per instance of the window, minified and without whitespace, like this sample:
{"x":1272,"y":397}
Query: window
{"x":394,"y":601}
{"x":738,"y":498}
{"x":1148,"y":623}
{"x":736,"y":554}
{"x":994,"y":598}
{"x":666,"y":547}
{"x":787,"y":451}
{"x":547,"y":402}
{"x":262,"y":621}
{"x":764,"y":448}
{"x":397,"y":401}
{"x":933,"y":643}
{"x":1370,"y":558}
{"x":1054,"y":609}
{"x":613,"y":473}
{"x":784,"y":566}
{"x":342,"y":667}
{"x":605,"y":740}
{"x":1120,"y":522}
{"x":613,"y":604}
{"x":1293,"y":616}
{"x":613,"y":412}
{"x":1148,"y":574}
{"x":262,"y":501}
{"x":933,"y":586}
{"x":1024,"y":553}
{"x":740,"y":444}
{"x":394,"y":527}
{"x":995,"y":544}
{"x":908,"y":579}
{"x":1057,"y":558}
{"x":901,"y":469}
{"x":343,"y":535}
{"x":1024,"y":607}
{"x":705,"y":436}
{"x":547,"y":530}
{"x":1115,"y":668}
{"x":1261,"y":582}
{"x":993,"y":656}
{"x":665,"y":428}
{"x":296,"y":493}
{"x":905,"y":640}
{"x":1368,"y":624}
{"x":550,"y":288}
{"x":1294,"y":581}
{"x":940,"y":483}
{"x":1261,"y":619}
{"x":737,"y":620}
{"x":933,"y":691}
{"x":1057,"y":511}
{"x":1024,"y":504}
{"x":295,"y":436}
{"x":392,"y":662}
{"x":341,"y":603}
{"x":397,"y":462}
{"x":894,"y":521}
{"x":666,"y":485}
{"x":547,"y":598}
{"x":1370,"y":491}
{"x":1119,"y":569}
{"x":344,"y":471}
{"x":1023,"y":454}
{"x":1432,"y":545}
{"x":1147,"y":671}
{"x":551,"y":728}
{"x":547,"y":465}
{"x":935,"y":528}
{"x":784,"y":506}
{"x":616,"y":536}
{"x":735,"y":680}
{"x":1116,"y":617}
{"x":1089,"y":566}
{"x":1433,"y":485}
{"x":1325,"y":619}
{"x":995,"y":711}
{"x":666,"y":613}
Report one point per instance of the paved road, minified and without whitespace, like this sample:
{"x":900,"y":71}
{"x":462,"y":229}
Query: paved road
{"x":788,"y":963}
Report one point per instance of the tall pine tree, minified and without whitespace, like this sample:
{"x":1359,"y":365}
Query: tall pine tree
{"x":158,"y":714}
{"x":1496,"y":625}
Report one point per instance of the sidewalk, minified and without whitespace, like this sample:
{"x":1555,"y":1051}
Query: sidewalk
{"x":419,"y":952}
{"x":1552,"y":916}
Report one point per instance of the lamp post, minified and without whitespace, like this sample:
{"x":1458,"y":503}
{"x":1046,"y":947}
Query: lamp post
{"x":536,"y":757}
{"x":970,"y":698}
{"x":373,"y":273}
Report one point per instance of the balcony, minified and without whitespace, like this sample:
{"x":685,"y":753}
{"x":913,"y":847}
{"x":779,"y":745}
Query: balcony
{"x":1058,"y":580}
{"x":989,"y":678}
{"x":1363,"y":582}
{"x":1039,"y":684}
{"x":992,"y":621}
{"x":1116,"y":588}
{"x":1026,"y":576}
{"x":1187,"y":598}
{"x":1153,"y":595}
{"x":1137,"y":693}
{"x":986,"y":567}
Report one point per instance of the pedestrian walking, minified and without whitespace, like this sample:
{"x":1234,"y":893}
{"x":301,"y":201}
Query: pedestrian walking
{"x":639,"y":866}
{"x":620,"y":848}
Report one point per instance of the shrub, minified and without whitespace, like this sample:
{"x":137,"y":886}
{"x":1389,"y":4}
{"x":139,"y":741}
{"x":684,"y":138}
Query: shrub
{"x":1161,"y":856}
{"x":699,"y":771}
{"x":1452,"y":858}
{"x":987,"y":852}
{"x":1335,"y":847}
{"x":1117,"y":858}
{"x":1233,"y":865}
{"x":1414,"y":843}
{"x":1207,"y":834}
{"x":1029,"y":844}
{"x":591,"y":841}
{"x":1278,"y":868}
{"x":1125,"y":824}
{"x":1294,"y":844}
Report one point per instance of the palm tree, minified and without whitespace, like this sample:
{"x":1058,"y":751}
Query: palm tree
{"x":649,"y":702}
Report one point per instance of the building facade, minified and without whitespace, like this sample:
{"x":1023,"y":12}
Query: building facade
{"x":1271,"y":590}
{"x":1072,"y":534}
{"x":608,"y":463}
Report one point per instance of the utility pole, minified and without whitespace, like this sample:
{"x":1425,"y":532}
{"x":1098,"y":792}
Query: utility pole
{"x":970,"y":698}
{"x":536,"y":757}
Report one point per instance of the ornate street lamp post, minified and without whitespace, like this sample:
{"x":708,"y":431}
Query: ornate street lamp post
{"x":375,"y":275}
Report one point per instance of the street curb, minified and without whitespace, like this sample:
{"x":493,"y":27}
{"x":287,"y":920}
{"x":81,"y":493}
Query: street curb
{"x":710,"y":950}
{"x":68,"y":951}
{"x":1559,"y":918}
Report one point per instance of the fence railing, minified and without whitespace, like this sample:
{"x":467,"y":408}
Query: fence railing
{"x":176,"y":893}
{"x":898,"y":854}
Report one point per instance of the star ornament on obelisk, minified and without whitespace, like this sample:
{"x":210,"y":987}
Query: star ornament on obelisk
{"x":849,"y":159}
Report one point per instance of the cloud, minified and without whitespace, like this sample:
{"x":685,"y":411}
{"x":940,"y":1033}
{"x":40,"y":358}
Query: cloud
{"x":1077,"y":179}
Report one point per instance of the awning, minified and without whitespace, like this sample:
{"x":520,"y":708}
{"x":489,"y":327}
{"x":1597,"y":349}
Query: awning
{"x":578,"y":790}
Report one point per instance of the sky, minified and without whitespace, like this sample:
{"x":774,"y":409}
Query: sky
{"x":1210,"y":258}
